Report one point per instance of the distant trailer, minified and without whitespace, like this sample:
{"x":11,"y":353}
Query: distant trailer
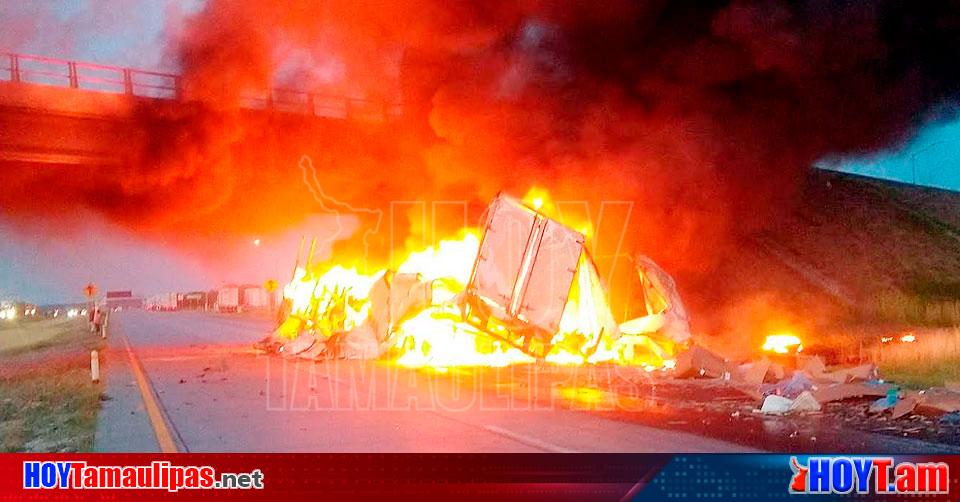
{"x":228,"y":299}
{"x":163,"y":302}
{"x":195,"y":300}
{"x":254,"y":297}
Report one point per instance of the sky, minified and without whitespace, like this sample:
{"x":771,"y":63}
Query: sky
{"x":931,"y":158}
{"x":89,"y":257}
{"x":113,"y":32}
{"x":130,"y":33}
{"x":41,"y":270}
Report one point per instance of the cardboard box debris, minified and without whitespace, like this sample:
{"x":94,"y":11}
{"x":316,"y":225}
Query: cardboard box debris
{"x":939,"y":399}
{"x":805,"y":402}
{"x":842,"y":391}
{"x":755,"y":373}
{"x":816,"y":368}
{"x":813,"y":365}
{"x":905,"y":405}
{"x":700,"y":362}
{"x":860,"y":373}
{"x":776,"y":371}
{"x":933,"y":401}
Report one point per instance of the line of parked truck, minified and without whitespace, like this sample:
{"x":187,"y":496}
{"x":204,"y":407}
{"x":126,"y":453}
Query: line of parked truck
{"x":228,"y":298}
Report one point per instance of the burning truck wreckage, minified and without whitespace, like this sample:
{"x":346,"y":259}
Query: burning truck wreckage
{"x":526,"y":291}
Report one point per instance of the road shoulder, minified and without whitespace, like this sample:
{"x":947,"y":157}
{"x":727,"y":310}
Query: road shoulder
{"x":123,"y":424}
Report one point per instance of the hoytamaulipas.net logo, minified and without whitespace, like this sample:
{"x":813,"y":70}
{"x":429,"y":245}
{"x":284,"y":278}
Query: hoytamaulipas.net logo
{"x":868,"y":475}
{"x":159,"y":475}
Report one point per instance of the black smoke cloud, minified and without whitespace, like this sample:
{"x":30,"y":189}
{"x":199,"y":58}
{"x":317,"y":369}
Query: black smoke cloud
{"x":706,"y":114}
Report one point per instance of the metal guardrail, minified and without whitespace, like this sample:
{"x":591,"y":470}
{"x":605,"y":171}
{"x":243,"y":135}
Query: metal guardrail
{"x":156,"y":85}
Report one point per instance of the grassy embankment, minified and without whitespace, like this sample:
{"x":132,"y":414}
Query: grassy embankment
{"x":893,"y":250}
{"x":932,"y":310}
{"x":932,"y":360}
{"x":47,"y":401}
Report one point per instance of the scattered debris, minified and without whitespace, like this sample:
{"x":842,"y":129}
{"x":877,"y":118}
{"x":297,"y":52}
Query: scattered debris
{"x":905,"y":405}
{"x":858,"y":373}
{"x":491,"y":315}
{"x":776,"y":405}
{"x":751,"y":391}
{"x":805,"y":402}
{"x":840,"y":392}
{"x":892,"y":395}
{"x":940,"y":399}
{"x":791,"y":387}
{"x":951,"y":419}
{"x":299,"y":344}
{"x":755,"y":373}
{"x":700,"y":362}
{"x":880,"y":405}
{"x":663,"y":299}
{"x":813,"y":365}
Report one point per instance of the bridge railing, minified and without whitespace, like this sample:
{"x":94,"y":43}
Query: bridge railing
{"x":150,"y":84}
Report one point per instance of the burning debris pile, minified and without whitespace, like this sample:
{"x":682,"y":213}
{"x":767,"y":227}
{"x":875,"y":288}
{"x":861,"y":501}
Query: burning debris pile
{"x":525,"y":289}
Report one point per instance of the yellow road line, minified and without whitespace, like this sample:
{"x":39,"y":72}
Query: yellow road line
{"x":160,"y":429}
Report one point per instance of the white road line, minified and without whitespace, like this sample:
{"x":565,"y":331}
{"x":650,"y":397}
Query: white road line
{"x":169,"y":359}
{"x":528,"y":440}
{"x":192,"y":357}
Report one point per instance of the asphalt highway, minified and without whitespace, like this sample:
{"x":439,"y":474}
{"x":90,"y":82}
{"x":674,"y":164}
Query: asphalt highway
{"x":215,"y":394}
{"x":191,"y":381}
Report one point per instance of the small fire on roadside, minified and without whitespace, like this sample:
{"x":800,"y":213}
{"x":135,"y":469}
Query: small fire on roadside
{"x":907,"y":337}
{"x":783,"y":343}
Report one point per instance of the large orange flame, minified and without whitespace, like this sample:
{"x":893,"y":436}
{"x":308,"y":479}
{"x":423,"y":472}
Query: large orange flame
{"x":438,"y":335}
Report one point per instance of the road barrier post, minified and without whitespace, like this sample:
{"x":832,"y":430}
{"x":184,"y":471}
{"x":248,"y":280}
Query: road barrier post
{"x":14,"y":68}
{"x":94,"y":366}
{"x":72,"y":74}
{"x":128,"y":81}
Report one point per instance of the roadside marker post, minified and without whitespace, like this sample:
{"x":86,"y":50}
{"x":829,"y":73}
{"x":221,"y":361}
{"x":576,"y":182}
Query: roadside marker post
{"x":94,"y":366}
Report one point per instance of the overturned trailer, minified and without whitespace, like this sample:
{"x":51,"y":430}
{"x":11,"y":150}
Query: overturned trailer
{"x":523,"y":279}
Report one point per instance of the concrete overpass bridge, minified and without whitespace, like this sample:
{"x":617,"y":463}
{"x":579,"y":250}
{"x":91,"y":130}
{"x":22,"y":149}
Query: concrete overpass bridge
{"x":61,"y":112}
